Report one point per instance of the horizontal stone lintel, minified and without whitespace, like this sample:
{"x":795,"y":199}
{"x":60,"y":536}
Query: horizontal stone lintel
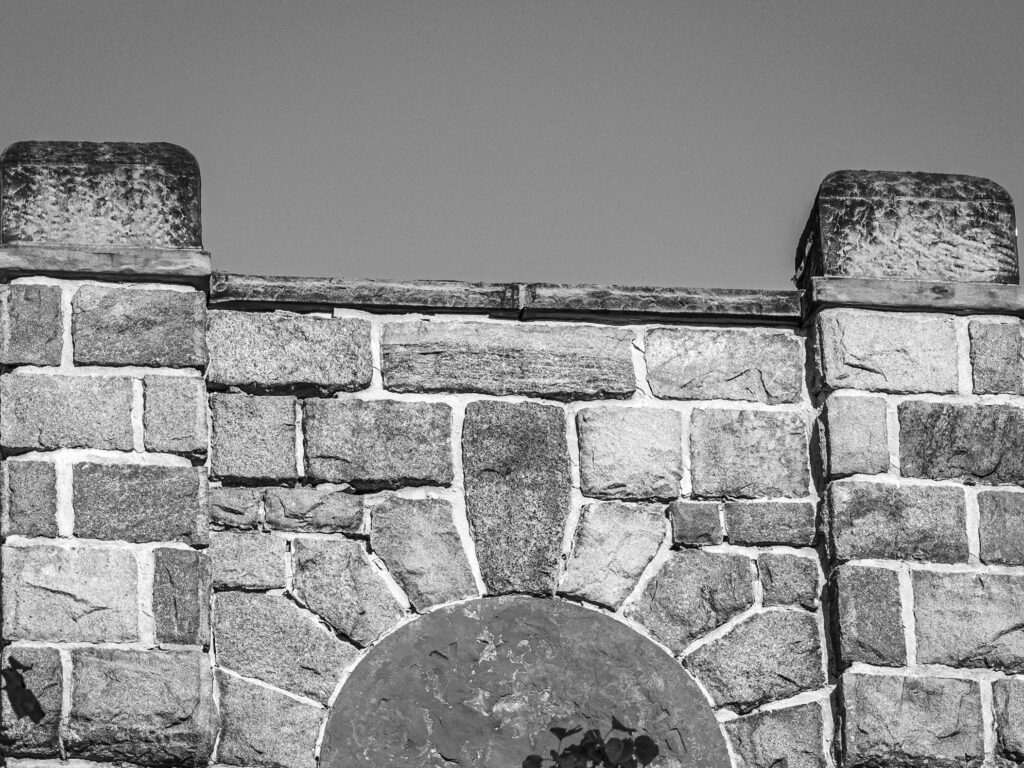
{"x":125,"y":264}
{"x":914,"y":296}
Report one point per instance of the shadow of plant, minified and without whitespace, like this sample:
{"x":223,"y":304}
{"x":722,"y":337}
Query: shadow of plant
{"x":597,"y":751}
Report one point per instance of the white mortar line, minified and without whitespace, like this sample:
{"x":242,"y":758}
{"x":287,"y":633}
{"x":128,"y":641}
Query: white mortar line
{"x":988,"y":721}
{"x":906,"y":587}
{"x":97,"y":456}
{"x":638,"y":350}
{"x":686,"y":480}
{"x":67,"y":682}
{"x":661,"y":557}
{"x":393,"y":586}
{"x":262,"y":684}
{"x":975,"y":674}
{"x":892,"y":435}
{"x":965,"y":375}
{"x":828,"y":729}
{"x":138,"y":423}
{"x":973,"y":520}
{"x":146,"y":560}
{"x":300,"y":441}
{"x":67,"y":350}
{"x":576,"y":499}
{"x":105,"y":371}
{"x":64,"y":498}
{"x":460,"y":514}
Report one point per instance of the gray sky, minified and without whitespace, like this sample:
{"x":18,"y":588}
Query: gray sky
{"x":640,"y":142}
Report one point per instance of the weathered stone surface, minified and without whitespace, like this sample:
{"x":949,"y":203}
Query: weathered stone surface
{"x":378,"y":444}
{"x":247,"y":560}
{"x":996,"y":357}
{"x":417,"y":540}
{"x":856,"y":435}
{"x":746,"y":453}
{"x":119,"y":325}
{"x":174,"y":415}
{"x":789,"y":579}
{"x":64,"y":261}
{"x":911,"y":721}
{"x":253,"y":437}
{"x":630,"y":453}
{"x":40,"y":672}
{"x":182,"y":580}
{"x":954,"y":441}
{"x":28,"y":498}
{"x":235,"y":508}
{"x":135,"y":502}
{"x":694,"y":592}
{"x":1001,"y":527}
{"x":516,"y":466}
{"x":480,"y":683}
{"x":324,"y":509}
{"x":885,"y":351}
{"x":41,"y":413}
{"x":146,"y":707}
{"x":79,"y":594}
{"x":970,"y":620}
{"x":768,"y":657}
{"x":788,"y":738}
{"x":760,"y":364}
{"x":270,"y":638}
{"x":577,"y":362}
{"x":31,"y":325}
{"x":866,"y":519}
{"x":614,"y":543}
{"x":336,"y":580}
{"x":760,"y":523}
{"x":870,"y":619}
{"x":1008,"y":706}
{"x":695,"y":523}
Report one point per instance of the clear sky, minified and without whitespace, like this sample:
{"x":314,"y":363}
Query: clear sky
{"x":638,"y":142}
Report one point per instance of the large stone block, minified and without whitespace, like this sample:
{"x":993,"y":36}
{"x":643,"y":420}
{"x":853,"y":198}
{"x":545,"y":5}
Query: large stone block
{"x":254,"y":438}
{"x":119,"y":325}
{"x":911,"y":721}
{"x":886,"y":351}
{"x":1008,"y":706}
{"x":516,"y":464}
{"x":695,"y":523}
{"x":174,"y":415}
{"x":28,"y":498}
{"x":996,"y":357}
{"x":630,"y":453}
{"x":31,"y":325}
{"x":856,"y":435}
{"x":42,"y":413}
{"x":746,"y":453}
{"x":870,"y":616}
{"x":324,"y":509}
{"x":763,"y":365}
{"x":563,"y":362}
{"x":789,"y":579}
{"x":31,"y":731}
{"x":248,"y":560}
{"x":867,"y":519}
{"x":182,"y":582}
{"x":62,"y":594}
{"x":764,"y":523}
{"x":781,"y":738}
{"x":1001,"y":527}
{"x":378,"y":444}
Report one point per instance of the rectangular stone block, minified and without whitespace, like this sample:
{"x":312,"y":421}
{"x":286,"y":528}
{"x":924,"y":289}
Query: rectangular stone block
{"x":996,"y":357}
{"x":31,"y":325}
{"x":885,"y":351}
{"x":763,"y":365}
{"x":282,"y":352}
{"x":856,"y":435}
{"x":70,"y":594}
{"x":35,"y":681}
{"x":378,"y":444}
{"x":789,"y":580}
{"x":695,"y":523}
{"x":42,"y":413}
{"x":764,"y":523}
{"x":239,"y":508}
{"x":747,"y":453}
{"x":248,"y":560}
{"x":870,"y":616}
{"x":174,"y":415}
{"x":1001,"y":527}
{"x":324,"y":509}
{"x":254,"y":438}
{"x":182,"y":583}
{"x":28,"y":498}
{"x":562,"y":362}
{"x":119,"y":325}
{"x":1008,"y":706}
{"x":866,"y":519}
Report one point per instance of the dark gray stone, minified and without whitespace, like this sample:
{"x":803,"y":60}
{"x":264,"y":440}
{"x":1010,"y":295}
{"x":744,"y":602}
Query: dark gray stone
{"x":31,"y":325}
{"x":28,"y":498}
{"x":237,"y":508}
{"x":764,"y":523}
{"x":40,"y":670}
{"x":254,"y":438}
{"x":856,"y":435}
{"x":789,"y":579}
{"x":248,"y":560}
{"x":996,"y":357}
{"x":324,"y":509}
{"x":695,"y":523}
{"x":174,"y":415}
{"x":516,"y":467}
{"x":1008,"y":706}
{"x":781,"y":738}
{"x":182,"y":581}
{"x":1001,"y":527}
{"x":869,"y":616}
{"x":378,"y":444}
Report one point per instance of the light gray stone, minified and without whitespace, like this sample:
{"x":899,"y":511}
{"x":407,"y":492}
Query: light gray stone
{"x":182,"y":582}
{"x":781,"y":738}
{"x":996,"y":357}
{"x":174,"y":415}
{"x":870,"y":616}
{"x":695,"y":523}
{"x":630,"y":453}
{"x":254,"y":438}
{"x":247,"y":560}
{"x":1008,"y":706}
{"x":614,"y":542}
{"x":235,"y":508}
{"x":32,"y":733}
{"x":28,"y":498}
{"x":324,"y":509}
{"x":31,"y":325}
{"x":764,"y":523}
{"x":856,"y":435}
{"x":789,"y":579}
{"x":1001,"y":527}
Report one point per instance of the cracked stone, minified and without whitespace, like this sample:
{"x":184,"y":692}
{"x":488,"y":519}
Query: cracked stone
{"x":237,"y":508}
{"x":324,"y":509}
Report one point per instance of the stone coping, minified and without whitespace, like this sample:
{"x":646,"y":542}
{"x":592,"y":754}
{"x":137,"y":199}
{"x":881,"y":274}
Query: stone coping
{"x":914,"y":295}
{"x":165,"y":265}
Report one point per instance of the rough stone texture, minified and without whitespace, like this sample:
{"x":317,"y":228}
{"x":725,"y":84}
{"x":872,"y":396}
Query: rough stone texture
{"x":763,"y":523}
{"x":869,"y":616}
{"x":886,"y":351}
{"x":1001,"y":526}
{"x":270,"y":638}
{"x":970,"y":620}
{"x":119,"y":325}
{"x":31,"y":325}
{"x":41,"y":413}
{"x":781,"y":738}
{"x":417,"y":540}
{"x":78,"y":594}
{"x":768,"y":657}
{"x":28,"y":498}
{"x":253,"y":438}
{"x":614,"y":543}
{"x":336,"y":580}
{"x":65,"y":261}
{"x":856,"y":435}
{"x":911,"y":721}
{"x":480,"y":683}
{"x":41,"y":675}
{"x":692,"y":593}
{"x":973,"y":443}
{"x":182,"y":580}
{"x":630,"y":453}
{"x":324,"y":509}
{"x":996,"y":357}
{"x":1008,"y":706}
{"x":146,"y":707}
{"x":884,"y":520}
{"x":563,"y":362}
{"x":378,"y":444}
{"x":695,"y":523}
{"x":237,"y":508}
{"x":789,"y":579}
{"x":747,"y":453}
{"x":764,"y":365}
{"x":174,"y":415}
{"x":516,"y":469}
{"x":133,"y":502}
{"x":247,"y":560}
